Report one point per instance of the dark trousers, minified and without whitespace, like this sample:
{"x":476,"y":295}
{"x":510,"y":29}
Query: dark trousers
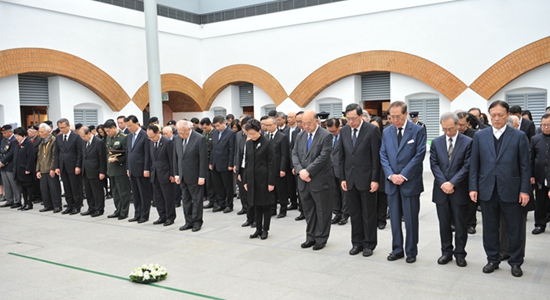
{"x":542,"y":205}
{"x":291,"y":185}
{"x":362,"y":209}
{"x":94,"y":194}
{"x":141,"y":193}
{"x":164,"y":199}
{"x":382,"y":206}
{"x":263,"y":217}
{"x":51,"y":191}
{"x":472,"y":218}
{"x":513,"y":214}
{"x":26,"y":189}
{"x":408,"y":207}
{"x":223,"y":182}
{"x":177,"y":194}
{"x":192,"y":203}
{"x":72,"y":184}
{"x":281,"y":194}
{"x":339,"y":202}
{"x":318,"y":212}
{"x":242,"y":191}
{"x":120,"y":188}
{"x":36,"y":192}
{"x":209,"y":190}
{"x":446,"y":213}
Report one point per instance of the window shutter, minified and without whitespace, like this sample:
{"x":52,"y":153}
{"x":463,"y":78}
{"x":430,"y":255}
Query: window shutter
{"x":269,"y":108}
{"x":220,"y":112}
{"x":428,"y":110}
{"x":246,"y":95}
{"x":86,"y":117}
{"x":535,"y":102}
{"x":375,"y":86}
{"x":334,"y":109}
{"x":33,"y":90}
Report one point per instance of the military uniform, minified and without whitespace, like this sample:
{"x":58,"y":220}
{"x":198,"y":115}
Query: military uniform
{"x":12,"y":190}
{"x":120,"y":183}
{"x":209,"y":186}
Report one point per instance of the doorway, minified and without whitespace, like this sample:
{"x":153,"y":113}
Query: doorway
{"x":33,"y":115}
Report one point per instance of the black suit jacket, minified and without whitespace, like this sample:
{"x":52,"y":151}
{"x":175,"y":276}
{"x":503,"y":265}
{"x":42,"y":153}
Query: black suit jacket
{"x":528,"y":127}
{"x":540,"y":145}
{"x":260,"y":171}
{"x":68,"y":155}
{"x":94,"y":158}
{"x":240,"y":143}
{"x":161,"y":160}
{"x":193,"y":163}
{"x":360,"y":165}
{"x":470,"y":132}
{"x":24,"y":160}
{"x":138,"y":159}
{"x":282,"y":151}
{"x":222,"y":155}
{"x":454,"y":171}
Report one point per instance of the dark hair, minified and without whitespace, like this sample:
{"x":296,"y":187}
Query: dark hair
{"x":100,"y":127}
{"x":333,"y":122}
{"x":236,"y":123}
{"x":485,"y":119}
{"x":272,"y":113}
{"x":528,"y":113}
{"x":20,"y":131}
{"x":218,"y":119}
{"x":206,"y":121}
{"x":380,"y":123}
{"x":230,"y":116}
{"x":50,"y":123}
{"x":153,"y":128}
{"x":56,"y":131}
{"x":132,"y":118}
{"x":401,"y":104}
{"x":475,"y":108}
{"x":253,"y":124}
{"x":354,"y":107}
{"x":121,"y":117}
{"x":110,"y":124}
{"x":92,"y":127}
{"x":463,"y":114}
{"x":64,"y":121}
{"x":473,"y":120}
{"x":344,"y":122}
{"x":300,"y":113}
{"x":500,"y":103}
{"x":545,"y":116}
{"x":195,"y":120}
{"x":516,"y":109}
{"x":77,"y":126}
{"x":264,"y":118}
{"x":245,"y":120}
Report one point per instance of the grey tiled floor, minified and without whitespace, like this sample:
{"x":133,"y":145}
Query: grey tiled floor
{"x":221,"y":261}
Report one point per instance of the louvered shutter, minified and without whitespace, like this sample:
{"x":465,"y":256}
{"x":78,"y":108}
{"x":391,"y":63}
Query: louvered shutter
{"x":33,"y":90}
{"x":268,"y":108}
{"x":86,"y":117}
{"x":220,"y":112}
{"x":246,"y":95}
{"x":375,"y":86}
{"x":335,"y":109}
{"x":535,"y":102}
{"x":428,"y":113}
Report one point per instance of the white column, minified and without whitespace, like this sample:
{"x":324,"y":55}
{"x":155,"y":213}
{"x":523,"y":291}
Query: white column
{"x":153,"y":65}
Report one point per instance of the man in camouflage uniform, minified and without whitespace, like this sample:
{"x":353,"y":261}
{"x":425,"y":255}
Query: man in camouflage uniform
{"x":116,"y":169}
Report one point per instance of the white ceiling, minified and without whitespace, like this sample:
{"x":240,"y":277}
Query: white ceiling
{"x":208,"y":6}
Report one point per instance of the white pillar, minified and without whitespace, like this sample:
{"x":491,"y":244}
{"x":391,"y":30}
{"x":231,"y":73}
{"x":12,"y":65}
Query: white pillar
{"x":153,"y":65}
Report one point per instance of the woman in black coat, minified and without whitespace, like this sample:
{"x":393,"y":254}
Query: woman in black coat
{"x":24,"y":159}
{"x":259,"y":177}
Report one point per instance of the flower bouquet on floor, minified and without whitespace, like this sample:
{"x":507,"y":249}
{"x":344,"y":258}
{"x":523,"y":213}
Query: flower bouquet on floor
{"x":148,"y":274}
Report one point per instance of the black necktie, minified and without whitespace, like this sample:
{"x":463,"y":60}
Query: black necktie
{"x":271,"y":136}
{"x":399,"y":136}
{"x":354,"y":137}
{"x":451,"y":148}
{"x":64,"y":138}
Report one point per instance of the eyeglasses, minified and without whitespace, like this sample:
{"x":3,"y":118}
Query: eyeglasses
{"x":545,"y":125}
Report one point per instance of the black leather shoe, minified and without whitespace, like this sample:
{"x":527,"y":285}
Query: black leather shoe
{"x":444,"y":259}
{"x":516,"y":271}
{"x":335,"y":220}
{"x":7,"y":204}
{"x":45,"y":209}
{"x":264,"y":235}
{"x":355,"y":250}
{"x":471,"y":230}
{"x":246,"y":224}
{"x":142,"y":220}
{"x":461,"y":262}
{"x":381,"y":226}
{"x":394,"y":256}
{"x":122,"y":217}
{"x":209,"y":205}
{"x":217,"y":209}
{"x":300,"y":217}
{"x":186,"y":226}
{"x":113,"y":216}
{"x":26,"y":207}
{"x":490,"y":268}
{"x":367,"y":252}
{"x":135,"y":219}
{"x":253,"y":225}
{"x":227,"y":210}
{"x":159,"y":221}
{"x":68,"y":210}
{"x":538,"y":230}
{"x":241,"y":212}
{"x":318,"y":247}
{"x":256,"y":234}
{"x":292,"y":207}
{"x":86,"y":213}
{"x":96,"y":214}
{"x":196,"y":228}
{"x":410,"y":260}
{"x":168,"y":223}
{"x":56,"y":210}
{"x":16,"y":205}
{"x":307,"y":244}
{"x":343,"y":221}
{"x":281,"y":215}
{"x":74,"y":211}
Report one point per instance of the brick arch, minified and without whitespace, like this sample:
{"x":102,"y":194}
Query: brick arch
{"x":389,"y":61}
{"x":233,"y":74}
{"x":52,"y":62}
{"x":172,"y":83}
{"x":511,"y":67}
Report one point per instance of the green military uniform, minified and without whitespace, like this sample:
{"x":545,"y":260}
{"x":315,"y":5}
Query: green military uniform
{"x":120,"y":183}
{"x":209,"y":186}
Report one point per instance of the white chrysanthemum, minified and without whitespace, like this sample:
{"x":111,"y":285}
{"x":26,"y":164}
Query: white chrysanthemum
{"x":146,"y":275}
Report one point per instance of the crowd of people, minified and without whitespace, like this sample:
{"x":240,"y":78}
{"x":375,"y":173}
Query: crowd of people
{"x":354,"y":167}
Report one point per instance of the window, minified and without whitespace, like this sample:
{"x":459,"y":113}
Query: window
{"x":375,"y":86}
{"x":534,"y":102}
{"x":220,"y":112}
{"x":334,"y":109}
{"x":86,"y":117}
{"x":268,"y":108}
{"x":428,"y":113}
{"x":246,"y":95}
{"x":33,"y":90}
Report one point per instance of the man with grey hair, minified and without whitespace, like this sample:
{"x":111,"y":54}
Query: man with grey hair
{"x":281,"y":123}
{"x":366,"y":116}
{"x":50,"y":186}
{"x":450,"y":162}
{"x":513,"y":121}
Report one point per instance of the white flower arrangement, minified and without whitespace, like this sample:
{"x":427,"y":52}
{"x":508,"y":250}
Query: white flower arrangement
{"x":147,"y":274}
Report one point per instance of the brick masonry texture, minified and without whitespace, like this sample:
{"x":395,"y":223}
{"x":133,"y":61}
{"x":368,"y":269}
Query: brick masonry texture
{"x":174,"y":83}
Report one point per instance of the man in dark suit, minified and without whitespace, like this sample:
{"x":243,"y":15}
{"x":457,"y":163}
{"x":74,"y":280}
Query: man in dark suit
{"x":463,"y":120}
{"x":311,"y":160}
{"x":137,"y":165}
{"x":402,"y":153}
{"x":476,"y":112}
{"x":238,"y":169}
{"x":221,"y":163}
{"x":500,"y":181}
{"x":525,"y":125}
{"x":540,"y":146}
{"x":297,"y":202}
{"x":339,"y":203}
{"x":32,"y":135}
{"x":280,"y":144}
{"x":450,"y":162}
{"x":161,"y":153}
{"x":360,"y":173}
{"x":122,"y":125}
{"x":190,"y":168}
{"x":281,"y":123}
{"x":68,"y":164}
{"x":94,"y":169}
{"x":293,"y":130}
{"x":7,"y":149}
